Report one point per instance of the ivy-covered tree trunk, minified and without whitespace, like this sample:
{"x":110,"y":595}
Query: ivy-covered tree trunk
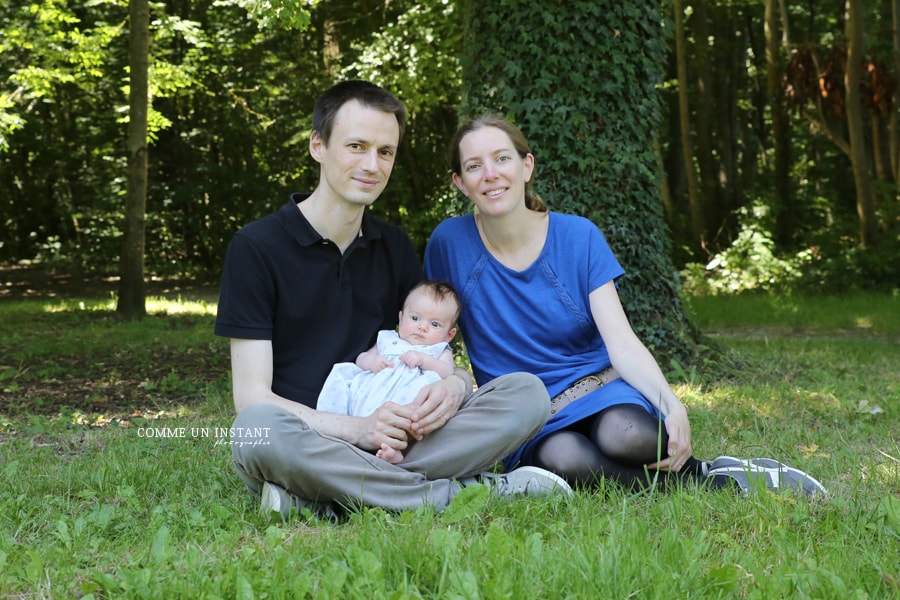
{"x":579,"y":78}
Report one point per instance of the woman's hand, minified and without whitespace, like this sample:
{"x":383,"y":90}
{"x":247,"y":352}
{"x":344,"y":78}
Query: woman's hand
{"x":679,"y":429}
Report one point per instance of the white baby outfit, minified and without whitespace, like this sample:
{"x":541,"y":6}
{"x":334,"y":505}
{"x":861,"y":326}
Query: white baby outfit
{"x":349,"y":390}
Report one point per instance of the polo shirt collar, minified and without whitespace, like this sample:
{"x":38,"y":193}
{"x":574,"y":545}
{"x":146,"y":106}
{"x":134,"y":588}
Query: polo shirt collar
{"x":306,"y":235}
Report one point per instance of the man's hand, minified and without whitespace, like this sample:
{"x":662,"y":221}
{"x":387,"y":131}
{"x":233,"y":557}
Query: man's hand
{"x":390,"y":425}
{"x":436,"y":404}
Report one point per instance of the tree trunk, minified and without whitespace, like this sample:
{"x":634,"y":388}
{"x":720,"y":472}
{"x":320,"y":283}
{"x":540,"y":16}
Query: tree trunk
{"x":865,"y":200}
{"x":705,"y":103}
{"x":132,"y":295}
{"x":729,"y":116}
{"x":698,"y":223}
{"x":784,"y":205}
{"x":894,"y":126}
{"x":880,"y":160}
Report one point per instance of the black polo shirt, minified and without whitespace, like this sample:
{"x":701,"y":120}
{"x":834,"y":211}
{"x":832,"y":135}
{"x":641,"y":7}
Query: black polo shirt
{"x":283,"y":282}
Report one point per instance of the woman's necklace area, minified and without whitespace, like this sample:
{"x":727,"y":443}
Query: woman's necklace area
{"x":523,"y":255}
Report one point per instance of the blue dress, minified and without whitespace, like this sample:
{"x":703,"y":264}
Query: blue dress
{"x":538,"y":320}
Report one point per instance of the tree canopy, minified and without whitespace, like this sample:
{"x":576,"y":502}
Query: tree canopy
{"x":762,"y":121}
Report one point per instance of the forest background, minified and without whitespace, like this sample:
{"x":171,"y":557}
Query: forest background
{"x":723,"y":146}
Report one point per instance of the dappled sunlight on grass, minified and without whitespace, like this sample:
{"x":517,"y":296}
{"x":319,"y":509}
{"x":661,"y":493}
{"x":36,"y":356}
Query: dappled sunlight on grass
{"x":155,"y":305}
{"x":59,"y":306}
{"x":864,"y":322}
{"x":164,"y":306}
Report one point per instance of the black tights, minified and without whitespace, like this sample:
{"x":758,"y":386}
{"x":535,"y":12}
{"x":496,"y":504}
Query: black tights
{"x":614,"y":444}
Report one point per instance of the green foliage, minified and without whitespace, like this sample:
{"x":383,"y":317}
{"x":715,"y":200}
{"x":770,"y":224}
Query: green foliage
{"x":752,"y":263}
{"x":579,"y":79}
{"x":844,"y":265}
{"x":415,"y":54}
{"x":748,"y":264}
{"x":234,"y":81}
{"x":285,"y":14}
{"x":60,"y":62}
{"x":229,"y":120}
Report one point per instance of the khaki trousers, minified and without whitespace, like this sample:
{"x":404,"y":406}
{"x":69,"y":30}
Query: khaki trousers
{"x":272,"y":444}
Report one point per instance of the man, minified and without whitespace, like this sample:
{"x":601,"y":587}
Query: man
{"x":310,"y":286}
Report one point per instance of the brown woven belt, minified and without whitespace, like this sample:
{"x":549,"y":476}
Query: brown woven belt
{"x":582,"y":387}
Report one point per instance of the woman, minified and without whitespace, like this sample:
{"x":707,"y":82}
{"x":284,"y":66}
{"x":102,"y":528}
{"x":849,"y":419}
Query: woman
{"x":539,"y":295}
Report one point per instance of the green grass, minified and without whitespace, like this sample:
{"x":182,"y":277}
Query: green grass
{"x":856,"y":313}
{"x":93,"y":507}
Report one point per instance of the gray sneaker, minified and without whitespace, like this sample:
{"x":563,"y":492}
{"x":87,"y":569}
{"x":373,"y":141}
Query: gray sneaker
{"x":274,"y":500}
{"x":765,"y":473}
{"x":525,"y":481}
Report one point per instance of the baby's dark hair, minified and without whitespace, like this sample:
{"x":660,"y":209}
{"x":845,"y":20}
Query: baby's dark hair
{"x":441,"y":290}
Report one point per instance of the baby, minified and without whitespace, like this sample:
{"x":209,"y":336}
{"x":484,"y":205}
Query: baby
{"x":401,"y":362}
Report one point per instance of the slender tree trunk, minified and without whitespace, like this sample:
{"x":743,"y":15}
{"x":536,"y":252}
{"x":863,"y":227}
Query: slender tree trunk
{"x":705,"y":103}
{"x":728,"y":115}
{"x":132,"y":296}
{"x":784,"y":205}
{"x":865,"y":200}
{"x":785,"y":37}
{"x":894,"y":126}
{"x":331,"y":51}
{"x":698,"y":224}
{"x":880,"y":162}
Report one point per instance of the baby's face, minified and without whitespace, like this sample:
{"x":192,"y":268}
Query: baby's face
{"x":425,"y":320}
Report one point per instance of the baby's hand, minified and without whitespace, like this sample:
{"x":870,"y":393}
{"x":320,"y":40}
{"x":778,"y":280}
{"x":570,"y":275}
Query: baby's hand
{"x":389,"y":454}
{"x":412,"y":358}
{"x":379,"y":364}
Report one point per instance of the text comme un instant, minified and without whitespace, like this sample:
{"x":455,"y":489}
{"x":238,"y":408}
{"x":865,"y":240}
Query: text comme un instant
{"x":203,"y":432}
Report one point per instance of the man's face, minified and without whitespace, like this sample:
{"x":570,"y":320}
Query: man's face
{"x":357,"y":162}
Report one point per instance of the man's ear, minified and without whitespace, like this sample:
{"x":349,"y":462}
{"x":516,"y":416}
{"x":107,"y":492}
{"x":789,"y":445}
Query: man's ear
{"x":316,"y":146}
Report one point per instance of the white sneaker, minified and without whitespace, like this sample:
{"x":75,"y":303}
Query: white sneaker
{"x":525,"y":481}
{"x":766,"y":473}
{"x":275,"y":499}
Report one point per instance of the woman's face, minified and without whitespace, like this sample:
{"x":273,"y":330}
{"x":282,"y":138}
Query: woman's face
{"x":492,"y":174}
